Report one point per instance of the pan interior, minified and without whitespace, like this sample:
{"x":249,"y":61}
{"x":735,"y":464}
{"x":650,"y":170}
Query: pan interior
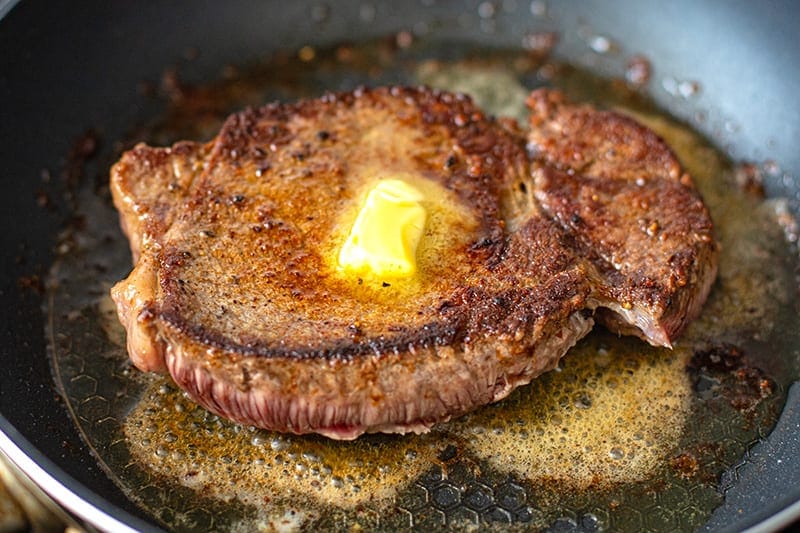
{"x":622,"y":436}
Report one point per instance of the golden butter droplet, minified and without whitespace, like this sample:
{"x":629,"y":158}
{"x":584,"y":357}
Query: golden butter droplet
{"x":386,"y":232}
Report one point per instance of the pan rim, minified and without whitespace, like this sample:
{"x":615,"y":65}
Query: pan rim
{"x":45,"y":473}
{"x":65,"y":491}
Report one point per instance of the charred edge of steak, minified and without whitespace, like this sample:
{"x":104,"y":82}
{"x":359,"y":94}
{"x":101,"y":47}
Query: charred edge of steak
{"x":398,"y":392}
{"x":430,"y":335}
{"x":249,"y":392}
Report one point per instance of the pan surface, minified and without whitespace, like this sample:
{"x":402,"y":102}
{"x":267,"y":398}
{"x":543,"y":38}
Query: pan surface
{"x":81,"y":68}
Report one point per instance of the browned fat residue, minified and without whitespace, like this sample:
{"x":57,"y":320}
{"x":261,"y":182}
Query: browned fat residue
{"x":685,"y":465}
{"x":84,"y":148}
{"x":638,"y":70}
{"x":724,"y":370}
{"x":750,"y":179}
{"x":32,"y":282}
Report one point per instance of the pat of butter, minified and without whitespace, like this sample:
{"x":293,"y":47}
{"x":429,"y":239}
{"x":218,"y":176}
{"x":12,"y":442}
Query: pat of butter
{"x":387,"y":231}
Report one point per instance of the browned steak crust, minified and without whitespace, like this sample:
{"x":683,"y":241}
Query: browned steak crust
{"x":236,"y":294}
{"x":620,"y":191}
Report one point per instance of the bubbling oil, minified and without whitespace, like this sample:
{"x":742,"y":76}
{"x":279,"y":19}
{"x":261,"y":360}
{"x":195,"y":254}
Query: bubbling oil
{"x":610,"y":414}
{"x":614,"y":421}
{"x":172,"y":434}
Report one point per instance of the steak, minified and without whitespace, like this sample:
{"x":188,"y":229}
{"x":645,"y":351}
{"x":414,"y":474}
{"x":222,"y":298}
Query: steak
{"x":530,"y":237}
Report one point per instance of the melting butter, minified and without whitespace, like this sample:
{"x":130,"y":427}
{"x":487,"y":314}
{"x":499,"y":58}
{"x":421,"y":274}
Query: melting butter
{"x":387,"y":232}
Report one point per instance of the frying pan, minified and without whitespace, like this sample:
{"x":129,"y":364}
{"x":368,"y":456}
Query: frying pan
{"x":66,"y":67}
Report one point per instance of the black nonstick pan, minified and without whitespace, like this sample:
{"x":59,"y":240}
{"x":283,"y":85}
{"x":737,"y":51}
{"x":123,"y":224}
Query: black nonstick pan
{"x":80,"y":81}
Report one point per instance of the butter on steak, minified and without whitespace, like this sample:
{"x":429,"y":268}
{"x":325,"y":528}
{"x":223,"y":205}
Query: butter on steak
{"x":236,"y":291}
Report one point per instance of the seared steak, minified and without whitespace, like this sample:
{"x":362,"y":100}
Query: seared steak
{"x":237,"y":294}
{"x":618,"y":190}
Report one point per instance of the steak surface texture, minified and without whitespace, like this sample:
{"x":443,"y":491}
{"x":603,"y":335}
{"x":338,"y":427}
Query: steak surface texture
{"x":530,"y":237}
